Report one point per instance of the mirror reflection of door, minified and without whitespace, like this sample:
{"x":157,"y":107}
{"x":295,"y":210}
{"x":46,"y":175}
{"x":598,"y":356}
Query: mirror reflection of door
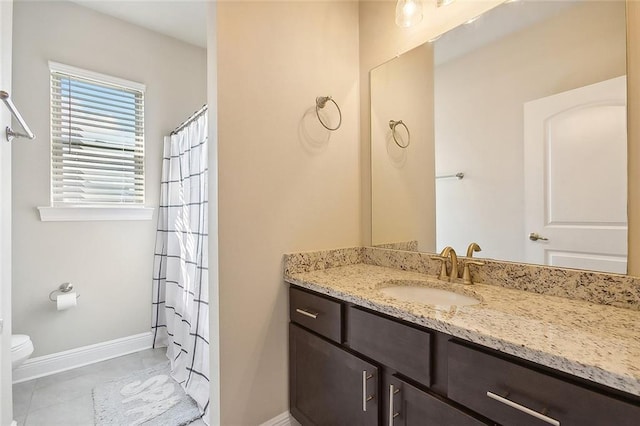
{"x":576,"y":178}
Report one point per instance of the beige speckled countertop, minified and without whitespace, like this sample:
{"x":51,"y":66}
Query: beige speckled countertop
{"x":596,"y":342}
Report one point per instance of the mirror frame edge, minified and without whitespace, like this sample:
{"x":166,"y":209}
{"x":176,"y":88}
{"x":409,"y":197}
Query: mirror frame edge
{"x":633,"y":137}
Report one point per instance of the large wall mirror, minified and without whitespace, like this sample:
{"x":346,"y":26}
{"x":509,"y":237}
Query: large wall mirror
{"x":509,"y":131}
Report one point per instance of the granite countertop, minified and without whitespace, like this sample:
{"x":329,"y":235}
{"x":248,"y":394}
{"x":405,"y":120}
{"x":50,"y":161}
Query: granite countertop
{"x":596,"y":342}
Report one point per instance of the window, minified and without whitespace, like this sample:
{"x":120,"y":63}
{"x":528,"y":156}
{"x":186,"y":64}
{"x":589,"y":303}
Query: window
{"x":97,"y":140}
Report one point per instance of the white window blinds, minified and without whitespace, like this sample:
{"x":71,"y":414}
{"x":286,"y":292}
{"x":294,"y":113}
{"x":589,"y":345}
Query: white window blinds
{"x":97,"y":139}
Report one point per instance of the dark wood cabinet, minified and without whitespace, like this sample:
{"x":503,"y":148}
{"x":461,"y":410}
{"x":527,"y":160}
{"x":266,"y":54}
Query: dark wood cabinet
{"x":406,"y":405}
{"x":328,"y":385}
{"x":352,"y":366}
{"x":340,"y":383}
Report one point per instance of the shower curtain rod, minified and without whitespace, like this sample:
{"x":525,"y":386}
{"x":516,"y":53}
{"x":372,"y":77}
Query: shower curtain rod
{"x":186,"y":122}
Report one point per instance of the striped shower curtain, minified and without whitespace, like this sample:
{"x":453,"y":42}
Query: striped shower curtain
{"x":180,"y":273}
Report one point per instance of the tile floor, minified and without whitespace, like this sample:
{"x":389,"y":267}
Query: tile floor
{"x":65,"y":398}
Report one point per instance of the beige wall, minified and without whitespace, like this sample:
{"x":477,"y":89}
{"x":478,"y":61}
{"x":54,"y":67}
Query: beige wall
{"x":110,"y":263}
{"x":285,"y":183}
{"x":404,"y":196}
{"x":588,"y":46}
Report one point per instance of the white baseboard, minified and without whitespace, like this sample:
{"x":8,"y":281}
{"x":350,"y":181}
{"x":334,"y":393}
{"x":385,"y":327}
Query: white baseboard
{"x":284,"y":419}
{"x":78,"y":357}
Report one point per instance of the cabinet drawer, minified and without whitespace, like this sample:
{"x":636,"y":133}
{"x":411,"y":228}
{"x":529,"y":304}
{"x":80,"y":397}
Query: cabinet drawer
{"x":406,"y":405}
{"x":316,"y":313}
{"x":512,"y":394}
{"x":401,"y":347}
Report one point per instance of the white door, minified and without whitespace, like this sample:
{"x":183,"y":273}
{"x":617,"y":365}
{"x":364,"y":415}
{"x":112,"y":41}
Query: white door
{"x":6,"y":13}
{"x":575,"y":163}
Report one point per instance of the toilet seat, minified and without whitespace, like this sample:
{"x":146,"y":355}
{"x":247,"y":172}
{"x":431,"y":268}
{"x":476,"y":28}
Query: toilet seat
{"x":21,"y":349}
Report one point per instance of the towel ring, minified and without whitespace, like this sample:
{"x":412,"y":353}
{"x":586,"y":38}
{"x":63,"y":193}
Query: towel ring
{"x":321,"y":101}
{"x":392,"y":125}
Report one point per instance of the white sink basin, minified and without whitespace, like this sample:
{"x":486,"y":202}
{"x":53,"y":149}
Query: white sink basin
{"x":428,"y":295}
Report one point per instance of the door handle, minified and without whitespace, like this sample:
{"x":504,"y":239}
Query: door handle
{"x":535,"y":237}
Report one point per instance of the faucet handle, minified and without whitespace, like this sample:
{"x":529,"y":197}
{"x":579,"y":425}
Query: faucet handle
{"x":466,"y":274}
{"x":443,"y":269}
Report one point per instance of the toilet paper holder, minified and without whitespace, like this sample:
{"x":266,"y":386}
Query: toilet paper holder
{"x":64,"y":288}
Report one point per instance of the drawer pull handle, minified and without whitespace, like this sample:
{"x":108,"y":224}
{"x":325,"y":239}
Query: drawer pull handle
{"x":524,"y":409}
{"x":392,"y":415}
{"x":365,"y":398}
{"x":313,"y":315}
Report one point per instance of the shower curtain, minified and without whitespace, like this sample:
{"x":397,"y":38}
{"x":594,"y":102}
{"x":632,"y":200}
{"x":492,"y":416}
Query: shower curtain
{"x":180,"y":273}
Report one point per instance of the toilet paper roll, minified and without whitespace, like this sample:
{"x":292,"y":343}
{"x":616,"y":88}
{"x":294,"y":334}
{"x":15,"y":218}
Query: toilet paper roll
{"x":66,"y":300}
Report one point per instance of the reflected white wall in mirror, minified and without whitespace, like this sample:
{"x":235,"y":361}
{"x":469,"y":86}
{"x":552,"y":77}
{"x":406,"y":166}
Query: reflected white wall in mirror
{"x":483,"y":75}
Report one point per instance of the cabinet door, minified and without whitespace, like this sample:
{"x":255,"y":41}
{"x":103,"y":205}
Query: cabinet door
{"x":406,"y":405}
{"x":329,"y":386}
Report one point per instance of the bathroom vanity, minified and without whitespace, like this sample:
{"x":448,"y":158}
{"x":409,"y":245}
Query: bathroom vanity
{"x":358,"y":356}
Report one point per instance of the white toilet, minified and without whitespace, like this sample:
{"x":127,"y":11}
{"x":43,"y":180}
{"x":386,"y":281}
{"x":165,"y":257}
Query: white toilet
{"x":21,"y":349}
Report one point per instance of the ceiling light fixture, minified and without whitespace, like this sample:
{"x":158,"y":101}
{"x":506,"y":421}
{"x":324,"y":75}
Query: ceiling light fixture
{"x":408,"y":13}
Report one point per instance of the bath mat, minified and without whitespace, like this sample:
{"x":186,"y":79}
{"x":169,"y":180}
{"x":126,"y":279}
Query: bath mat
{"x":149,"y":397}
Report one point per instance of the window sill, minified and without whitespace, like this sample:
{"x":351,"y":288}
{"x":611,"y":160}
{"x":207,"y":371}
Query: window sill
{"x":80,"y":213}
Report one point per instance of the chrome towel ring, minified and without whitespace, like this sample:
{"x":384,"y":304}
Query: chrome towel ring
{"x":392,"y":125}
{"x":321,"y":101}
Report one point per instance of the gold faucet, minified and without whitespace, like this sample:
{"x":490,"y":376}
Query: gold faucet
{"x":466,"y":274}
{"x":472,"y":247}
{"x":449,"y":252}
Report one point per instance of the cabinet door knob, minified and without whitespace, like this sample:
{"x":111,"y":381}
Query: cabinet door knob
{"x":524,"y":409}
